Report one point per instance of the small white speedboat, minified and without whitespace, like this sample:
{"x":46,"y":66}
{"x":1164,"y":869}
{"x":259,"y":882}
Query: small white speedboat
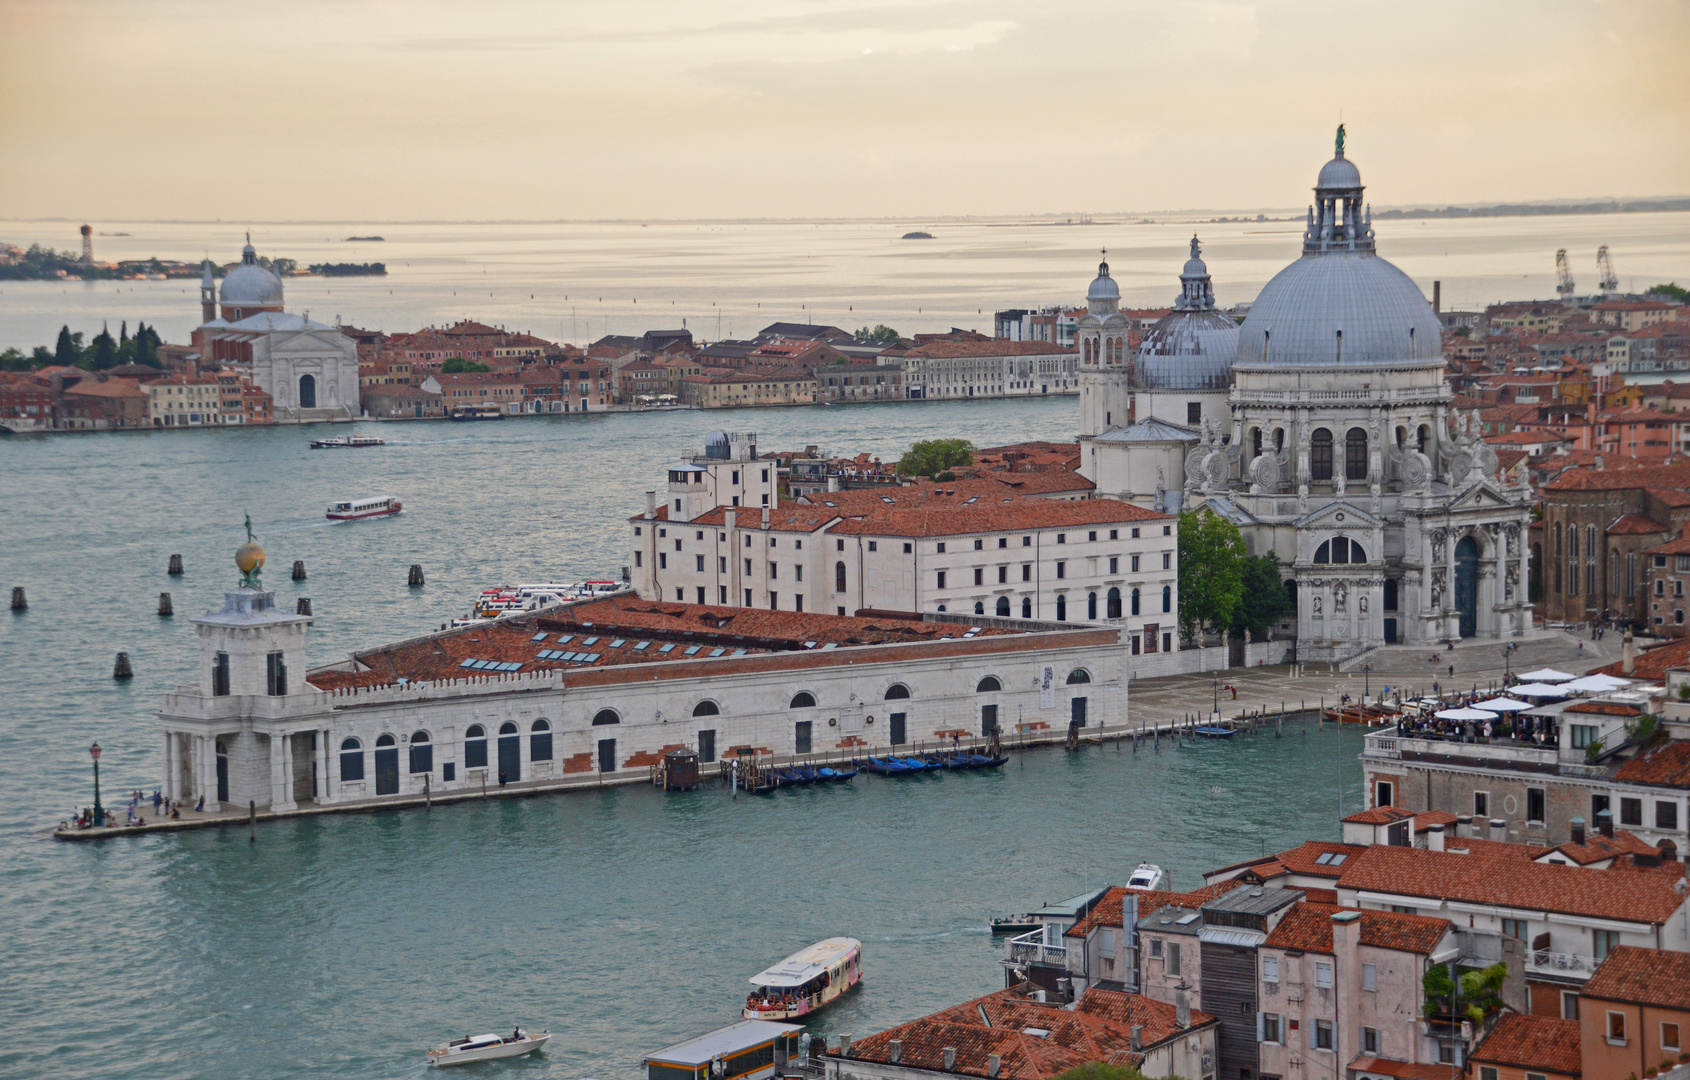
{"x":486,"y":1048}
{"x":1148,"y":876}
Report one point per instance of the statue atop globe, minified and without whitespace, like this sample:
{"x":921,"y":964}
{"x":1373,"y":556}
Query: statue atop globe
{"x":249,"y":559}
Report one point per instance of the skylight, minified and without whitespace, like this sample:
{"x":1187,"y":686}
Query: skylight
{"x":538,"y":637}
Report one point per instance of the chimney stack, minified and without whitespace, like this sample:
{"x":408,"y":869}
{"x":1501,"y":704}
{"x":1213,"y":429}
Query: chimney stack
{"x":1464,"y":825}
{"x":1605,"y":822}
{"x":833,"y":483}
{"x":845,"y":1044}
{"x":1628,"y":655}
{"x":765,"y":517}
{"x":1577,"y":825}
{"x":895,"y":1051}
{"x":1182,"y":1006}
{"x":1437,"y":297}
{"x":650,"y":505}
{"x":950,"y":1059}
{"x":994,"y":1064}
{"x":1138,"y":1037}
{"x":730,"y":518}
{"x":1498,"y":830}
{"x":1434,"y":838}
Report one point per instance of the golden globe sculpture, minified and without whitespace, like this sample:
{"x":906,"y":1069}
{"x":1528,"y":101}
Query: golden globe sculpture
{"x":249,"y":559}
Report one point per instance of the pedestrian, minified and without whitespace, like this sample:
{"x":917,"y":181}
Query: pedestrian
{"x":1234,"y":690}
{"x":1581,"y":648}
{"x":1452,"y":671}
{"x":199,"y":807}
{"x":157,"y":799}
{"x":501,"y":778}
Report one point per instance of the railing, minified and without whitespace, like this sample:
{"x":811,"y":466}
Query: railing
{"x":1497,"y":753}
{"x":1030,"y":948}
{"x":1560,"y":963}
{"x":1381,"y":746}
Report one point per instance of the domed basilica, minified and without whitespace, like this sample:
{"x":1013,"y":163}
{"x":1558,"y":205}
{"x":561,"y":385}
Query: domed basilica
{"x":1323,"y":428}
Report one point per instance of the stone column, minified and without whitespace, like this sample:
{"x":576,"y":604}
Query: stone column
{"x":164,"y":767}
{"x":277,"y":797}
{"x":322,"y":766}
{"x":1524,"y":596}
{"x":208,"y":770}
{"x":333,"y":769}
{"x":287,"y":802}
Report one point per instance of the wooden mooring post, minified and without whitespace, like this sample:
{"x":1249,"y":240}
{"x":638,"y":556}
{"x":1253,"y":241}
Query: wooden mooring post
{"x":19,"y":602}
{"x":165,"y":608}
{"x":175,"y":569}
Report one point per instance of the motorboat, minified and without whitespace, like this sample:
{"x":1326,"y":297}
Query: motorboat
{"x":809,"y":979}
{"x":486,"y":1048}
{"x":344,"y":442}
{"x":486,"y":411}
{"x":356,"y":509}
{"x":1148,"y":876}
{"x":1015,"y":924}
{"x":1210,"y":731}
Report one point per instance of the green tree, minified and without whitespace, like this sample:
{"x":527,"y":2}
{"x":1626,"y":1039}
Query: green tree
{"x":1264,"y":599}
{"x":14,"y":360}
{"x":1672,"y":290}
{"x":68,"y":351}
{"x":1097,"y":1070}
{"x":457,"y":365}
{"x":103,"y":351}
{"x":1211,"y":572}
{"x":931,"y":457}
{"x":880,"y":335}
{"x":41,"y":357}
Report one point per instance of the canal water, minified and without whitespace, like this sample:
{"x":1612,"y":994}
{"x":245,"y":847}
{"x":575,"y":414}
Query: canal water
{"x":621,"y":919}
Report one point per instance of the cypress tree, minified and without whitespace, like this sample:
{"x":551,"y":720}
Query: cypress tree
{"x":66,"y":352}
{"x":123,"y":331}
{"x":105,"y":351}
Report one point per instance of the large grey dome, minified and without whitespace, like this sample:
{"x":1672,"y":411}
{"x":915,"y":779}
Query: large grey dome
{"x":1192,"y":347}
{"x":249,"y":284}
{"x":1339,"y":307}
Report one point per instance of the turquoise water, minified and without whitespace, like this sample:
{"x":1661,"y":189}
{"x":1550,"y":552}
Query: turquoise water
{"x":622,"y":919}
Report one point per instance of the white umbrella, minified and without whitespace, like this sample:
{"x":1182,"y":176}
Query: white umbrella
{"x":1547,"y":675}
{"x":1501,"y":704}
{"x":1465,"y":714}
{"x":1595,"y":684}
{"x":1537,"y":689}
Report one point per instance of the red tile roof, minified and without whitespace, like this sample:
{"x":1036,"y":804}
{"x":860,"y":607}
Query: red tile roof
{"x":1635,"y":525}
{"x":1603,"y":708}
{"x":1108,"y":911}
{"x":1598,"y":847}
{"x":1679,"y":545}
{"x":1667,"y":765}
{"x":1643,"y":977}
{"x":1474,"y":878}
{"x":1652,"y":663}
{"x":1379,"y":815}
{"x":986,"y":517}
{"x":1301,"y":859}
{"x":1308,"y":927}
{"x":1539,"y":1043}
{"x":1621,"y":479}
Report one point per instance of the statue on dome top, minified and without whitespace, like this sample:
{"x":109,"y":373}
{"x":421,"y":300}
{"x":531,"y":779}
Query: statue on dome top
{"x":1340,"y":140}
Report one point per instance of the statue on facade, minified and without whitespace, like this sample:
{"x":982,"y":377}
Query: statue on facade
{"x":1340,"y":598}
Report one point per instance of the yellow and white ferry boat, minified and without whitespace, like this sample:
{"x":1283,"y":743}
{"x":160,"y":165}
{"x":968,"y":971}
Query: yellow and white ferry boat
{"x":809,"y":979}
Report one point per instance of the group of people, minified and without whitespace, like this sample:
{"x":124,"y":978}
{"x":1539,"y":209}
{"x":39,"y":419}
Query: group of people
{"x":132,"y":814}
{"x":1538,"y":730}
{"x":774,"y":1002}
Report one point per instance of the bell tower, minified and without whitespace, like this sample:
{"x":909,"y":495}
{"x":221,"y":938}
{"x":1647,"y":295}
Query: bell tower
{"x":208,"y":294}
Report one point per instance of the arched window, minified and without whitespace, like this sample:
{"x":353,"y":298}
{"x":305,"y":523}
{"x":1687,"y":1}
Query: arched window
{"x":897,"y":692}
{"x":1255,"y":442}
{"x":1402,"y":437}
{"x":475,"y":747}
{"x":540,"y":741}
{"x":1003,"y":607}
{"x":803,"y":699}
{"x":838,"y":577}
{"x":1091,"y":606}
{"x":1320,"y":455}
{"x":1167,"y":598}
{"x":1355,"y":454}
{"x":1061,"y":607}
{"x":979,"y":607}
{"x":1026,"y":607}
{"x":351,"y":760}
{"x":988,"y":685}
{"x":308,"y":391}
{"x":706,"y":708}
{"x":1572,"y":541}
{"x":1135,"y":601}
{"x":384,"y":740}
{"x":606,"y":716}
{"x":507,"y":728}
{"x":1114,"y":603}
{"x":422,"y":753}
{"x":1422,"y":437}
{"x":1078,"y":675}
{"x":1340,"y":550}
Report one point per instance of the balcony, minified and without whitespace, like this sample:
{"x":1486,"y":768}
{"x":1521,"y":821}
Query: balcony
{"x":1031,"y":948}
{"x":1560,"y":965}
{"x":1483,"y":754}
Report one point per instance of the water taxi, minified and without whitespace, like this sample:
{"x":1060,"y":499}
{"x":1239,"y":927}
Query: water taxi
{"x":1148,"y":876}
{"x":377,"y":506}
{"x":344,"y":442}
{"x":807,"y":980}
{"x":486,"y":1048}
{"x":477,"y":412}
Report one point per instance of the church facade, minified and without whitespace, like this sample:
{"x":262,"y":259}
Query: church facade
{"x":309,"y":368}
{"x":1323,"y":428}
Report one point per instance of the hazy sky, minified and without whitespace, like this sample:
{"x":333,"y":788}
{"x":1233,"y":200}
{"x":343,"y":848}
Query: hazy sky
{"x":351,"y":110}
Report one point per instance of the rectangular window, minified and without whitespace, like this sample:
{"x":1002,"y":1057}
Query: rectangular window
{"x":1270,"y":969}
{"x":874,"y":545}
{"x":1134,"y":565}
{"x":1616,"y":1029}
{"x":1156,"y":948}
{"x":941,"y":548}
{"x":941,"y":579}
{"x":700,"y":563}
{"x":1167,"y":560}
{"x":1666,"y":816}
{"x":1194,"y":412}
{"x":639,"y":558}
{"x":276,"y":675}
{"x":1270,"y":1028}
{"x":748,"y":598}
{"x":1322,"y":973}
{"x":1369,"y":1040}
{"x":748,"y":567}
{"x":1173,"y":958}
{"x":801,"y":737}
{"x":1487,"y":1072}
{"x":1583,"y":735}
{"x":1404,"y":909}
{"x":449,"y":772}
{"x":1481,"y":804}
{"x":1514,"y":928}
{"x":1631,"y":812}
{"x":979,"y":575}
{"x":1383,"y":792}
{"x":1535,"y":804}
{"x":220,"y":675}
{"x":1026,"y":571}
{"x":1323,"y":1034}
{"x":1114,"y":564}
{"x":422,"y":757}
{"x":774,"y":571}
{"x":1603,"y":942}
{"x":1003,"y":575}
{"x":1026,"y":541}
{"x":979,"y":545}
{"x":707,"y":746}
{"x":1061,"y":538}
{"x":1669,"y":1036}
{"x":1370,"y":977}
{"x":1061,"y":569}
{"x":662,"y":561}
{"x":1569,"y":1004}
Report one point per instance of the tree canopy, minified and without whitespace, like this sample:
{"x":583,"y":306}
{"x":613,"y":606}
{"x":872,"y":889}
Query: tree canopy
{"x":931,"y":457}
{"x":1673,"y":290}
{"x":1264,"y":599}
{"x":1097,"y":1070}
{"x":880,"y":335}
{"x":457,"y":365}
{"x":1211,"y":572}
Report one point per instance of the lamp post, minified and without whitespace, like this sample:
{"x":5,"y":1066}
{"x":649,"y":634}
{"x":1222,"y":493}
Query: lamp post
{"x":1367,"y":681}
{"x":99,"y":811}
{"x":1215,"y":685}
{"x":1507,"y":660}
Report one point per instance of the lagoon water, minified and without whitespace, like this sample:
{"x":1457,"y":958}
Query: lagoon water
{"x":622,"y":919}
{"x":575,"y":281}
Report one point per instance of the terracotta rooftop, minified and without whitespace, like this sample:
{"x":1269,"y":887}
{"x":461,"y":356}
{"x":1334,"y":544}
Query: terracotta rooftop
{"x":1678,"y":545}
{"x":1308,"y":927}
{"x":1666,"y":765}
{"x":1597,"y":847}
{"x":1379,"y":815}
{"x":1643,"y":977}
{"x":1648,"y":476}
{"x":1635,"y":525}
{"x":1474,"y":878}
{"x":1603,"y":708}
{"x":1108,"y":911}
{"x":1652,"y":664}
{"x":1545,"y":1044}
{"x":986,"y":517}
{"x":1307,"y":858}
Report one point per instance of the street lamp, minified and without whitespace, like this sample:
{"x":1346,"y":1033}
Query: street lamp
{"x":1215,"y":685}
{"x":1507,"y":660}
{"x":99,"y":811}
{"x":1367,"y":681}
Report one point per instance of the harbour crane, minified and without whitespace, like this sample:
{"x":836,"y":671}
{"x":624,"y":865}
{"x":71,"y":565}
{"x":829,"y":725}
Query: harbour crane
{"x":1564,"y":276}
{"x":1605,"y":268}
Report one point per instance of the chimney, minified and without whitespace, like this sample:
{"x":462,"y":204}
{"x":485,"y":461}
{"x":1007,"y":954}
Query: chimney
{"x":845,"y":1044}
{"x":1182,"y":1006}
{"x":765,"y":517}
{"x":1434,"y":838}
{"x":1464,"y":825}
{"x":950,"y":1059}
{"x":833,"y":483}
{"x":1628,"y":655}
{"x":895,"y":1051}
{"x":1437,"y":297}
{"x":730,"y":518}
{"x":1498,"y":830}
{"x":994,"y":1064}
{"x":1577,"y":825}
{"x":1605,"y":822}
{"x":650,"y":505}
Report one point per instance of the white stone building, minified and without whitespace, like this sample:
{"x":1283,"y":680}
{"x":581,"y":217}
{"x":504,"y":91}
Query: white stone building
{"x":1323,"y":428}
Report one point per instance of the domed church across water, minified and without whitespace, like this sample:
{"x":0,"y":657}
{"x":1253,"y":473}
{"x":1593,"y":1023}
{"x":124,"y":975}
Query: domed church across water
{"x":1323,"y":428}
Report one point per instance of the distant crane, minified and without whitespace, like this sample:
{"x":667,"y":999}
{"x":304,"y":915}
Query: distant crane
{"x":1564,"y":275}
{"x":1605,"y":267}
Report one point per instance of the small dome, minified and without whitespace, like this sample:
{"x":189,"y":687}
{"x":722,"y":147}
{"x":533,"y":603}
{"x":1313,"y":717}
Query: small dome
{"x":1339,"y":173}
{"x":1103,"y":286}
{"x":716,"y":445}
{"x":1187,"y":350}
{"x":251,"y":285}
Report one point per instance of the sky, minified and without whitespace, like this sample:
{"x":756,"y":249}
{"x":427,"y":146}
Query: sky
{"x":392,"y":110}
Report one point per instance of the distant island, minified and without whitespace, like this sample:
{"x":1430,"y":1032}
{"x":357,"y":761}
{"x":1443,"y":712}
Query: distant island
{"x":365,"y":239}
{"x":918,"y":236}
{"x":349,"y":269}
{"x":1606,"y":206}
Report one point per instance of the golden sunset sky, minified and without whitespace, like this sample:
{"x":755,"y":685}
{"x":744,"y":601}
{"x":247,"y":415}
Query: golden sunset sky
{"x":372,"y":110}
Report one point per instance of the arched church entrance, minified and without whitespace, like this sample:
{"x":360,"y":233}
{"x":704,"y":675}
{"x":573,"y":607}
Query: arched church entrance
{"x":308,"y":391}
{"x":1467,"y":585}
